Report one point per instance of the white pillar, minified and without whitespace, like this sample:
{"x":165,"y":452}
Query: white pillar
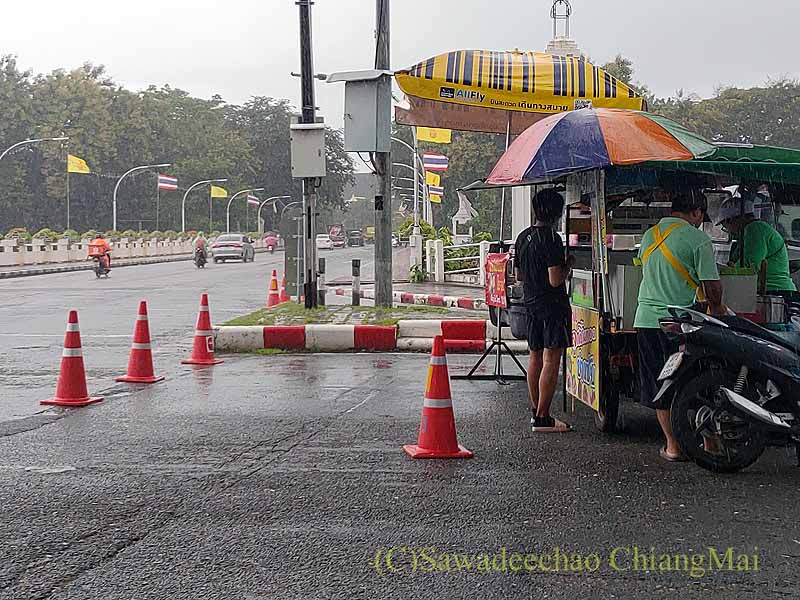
{"x":415,"y":244}
{"x":520,"y":210}
{"x":429,"y":259}
{"x":484,"y":251}
{"x":438,"y":265}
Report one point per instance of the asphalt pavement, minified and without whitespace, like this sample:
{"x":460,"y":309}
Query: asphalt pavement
{"x":33,"y":314}
{"x":282,"y":477}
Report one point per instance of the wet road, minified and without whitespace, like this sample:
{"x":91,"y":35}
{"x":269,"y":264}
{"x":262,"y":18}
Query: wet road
{"x":33,"y":312}
{"x":281,"y":477}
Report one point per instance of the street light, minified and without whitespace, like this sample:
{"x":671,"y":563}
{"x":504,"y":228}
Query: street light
{"x":228,"y":210}
{"x":270,"y":199}
{"x":191,"y":187}
{"x":119,"y":181}
{"x":33,"y":141}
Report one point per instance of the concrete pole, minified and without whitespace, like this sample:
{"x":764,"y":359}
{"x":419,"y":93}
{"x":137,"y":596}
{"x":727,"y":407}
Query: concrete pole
{"x":309,"y":183}
{"x":321,"y":282}
{"x":383,"y":162}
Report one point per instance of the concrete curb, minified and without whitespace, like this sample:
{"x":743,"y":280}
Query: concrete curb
{"x":408,"y":335}
{"x":89,"y":266}
{"x":424,"y":299}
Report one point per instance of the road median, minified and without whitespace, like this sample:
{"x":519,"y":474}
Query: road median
{"x":291,"y":328}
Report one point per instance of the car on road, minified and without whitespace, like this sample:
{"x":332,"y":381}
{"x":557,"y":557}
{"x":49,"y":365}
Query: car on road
{"x":324,"y":242}
{"x":233,"y":246}
{"x":338,"y":236}
{"x":355,"y":238}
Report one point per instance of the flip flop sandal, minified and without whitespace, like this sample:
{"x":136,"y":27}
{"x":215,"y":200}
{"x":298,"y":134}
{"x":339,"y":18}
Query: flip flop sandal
{"x":557,"y":427}
{"x":670,"y":458}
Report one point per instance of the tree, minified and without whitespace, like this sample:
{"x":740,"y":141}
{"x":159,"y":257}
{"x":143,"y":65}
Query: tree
{"x":114,"y":129}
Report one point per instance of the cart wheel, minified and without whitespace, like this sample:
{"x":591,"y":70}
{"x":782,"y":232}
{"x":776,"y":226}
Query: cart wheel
{"x":607,"y":417}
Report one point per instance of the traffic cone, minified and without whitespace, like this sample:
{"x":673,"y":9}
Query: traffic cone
{"x":140,"y":364}
{"x":203,"y":348}
{"x":437,"y":429}
{"x":273,"y":298}
{"x":71,"y":388}
{"x":284,"y":297}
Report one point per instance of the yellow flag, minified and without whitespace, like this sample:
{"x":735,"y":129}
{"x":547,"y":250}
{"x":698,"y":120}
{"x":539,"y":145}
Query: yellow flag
{"x":76,"y":165}
{"x":433,"y":135}
{"x":436,"y":199}
{"x":218,"y":192}
{"x":432,"y":178}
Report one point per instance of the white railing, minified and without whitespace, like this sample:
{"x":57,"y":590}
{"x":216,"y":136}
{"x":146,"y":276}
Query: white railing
{"x":440,"y":267}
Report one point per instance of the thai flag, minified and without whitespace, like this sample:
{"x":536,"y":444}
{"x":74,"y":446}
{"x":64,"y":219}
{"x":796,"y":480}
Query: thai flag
{"x":165,"y":182}
{"x":436,"y":190}
{"x":251,"y":199}
{"x":435,"y":162}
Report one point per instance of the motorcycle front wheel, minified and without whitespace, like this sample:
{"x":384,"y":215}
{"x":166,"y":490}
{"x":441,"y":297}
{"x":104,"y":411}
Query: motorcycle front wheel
{"x":699,"y":407}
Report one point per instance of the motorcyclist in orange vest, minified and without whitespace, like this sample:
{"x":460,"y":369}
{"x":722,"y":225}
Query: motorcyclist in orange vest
{"x":100,"y":247}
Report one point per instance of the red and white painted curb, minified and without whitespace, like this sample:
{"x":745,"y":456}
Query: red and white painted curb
{"x":409,"y":335}
{"x":423,"y":299}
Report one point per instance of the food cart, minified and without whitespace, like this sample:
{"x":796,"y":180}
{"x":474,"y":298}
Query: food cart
{"x":613,"y":167}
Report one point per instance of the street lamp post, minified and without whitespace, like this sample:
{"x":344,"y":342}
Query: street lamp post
{"x":119,"y":181}
{"x":228,"y":210}
{"x":270,"y":199}
{"x":191,"y":187}
{"x":33,"y":141}
{"x":417,"y":162}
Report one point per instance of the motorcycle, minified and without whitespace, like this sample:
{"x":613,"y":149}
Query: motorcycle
{"x":735,"y":386}
{"x":101,"y":268}
{"x":200,"y":258}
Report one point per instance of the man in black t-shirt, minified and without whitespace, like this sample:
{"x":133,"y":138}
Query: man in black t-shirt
{"x":542,"y":267}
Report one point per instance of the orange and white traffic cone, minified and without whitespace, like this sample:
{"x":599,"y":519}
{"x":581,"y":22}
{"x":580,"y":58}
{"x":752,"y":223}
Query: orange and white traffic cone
{"x":203,"y":348}
{"x":437,"y":429}
{"x":273,"y":298}
{"x":284,"y":297}
{"x":140,"y":363}
{"x":71,"y":388}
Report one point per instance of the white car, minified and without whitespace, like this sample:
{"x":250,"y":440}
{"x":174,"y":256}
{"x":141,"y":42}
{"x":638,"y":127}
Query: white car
{"x":324,"y":242}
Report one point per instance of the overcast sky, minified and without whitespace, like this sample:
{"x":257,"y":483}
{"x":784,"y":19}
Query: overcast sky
{"x":242,"y":48}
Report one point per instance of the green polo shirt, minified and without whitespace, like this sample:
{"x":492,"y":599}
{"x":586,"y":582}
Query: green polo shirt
{"x":762,"y":242}
{"x":662,"y":285}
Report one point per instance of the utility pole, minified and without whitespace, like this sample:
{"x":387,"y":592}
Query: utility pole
{"x":309,"y":183}
{"x":383,"y":168}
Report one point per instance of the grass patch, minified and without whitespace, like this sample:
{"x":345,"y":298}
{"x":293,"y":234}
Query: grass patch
{"x":269,"y":351}
{"x":291,"y":313}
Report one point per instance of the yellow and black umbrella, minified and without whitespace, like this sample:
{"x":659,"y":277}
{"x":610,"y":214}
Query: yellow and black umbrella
{"x":478,"y":90}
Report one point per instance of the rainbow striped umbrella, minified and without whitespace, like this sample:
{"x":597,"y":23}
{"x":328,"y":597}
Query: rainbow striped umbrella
{"x":587,"y":139}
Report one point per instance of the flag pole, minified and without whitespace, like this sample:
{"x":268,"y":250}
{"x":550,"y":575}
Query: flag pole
{"x":210,"y":210}
{"x":67,"y":197}
{"x":67,"y":185}
{"x":158,"y":199}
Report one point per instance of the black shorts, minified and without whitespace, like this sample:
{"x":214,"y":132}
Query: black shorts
{"x":549,"y":332}
{"x":654,"y":350}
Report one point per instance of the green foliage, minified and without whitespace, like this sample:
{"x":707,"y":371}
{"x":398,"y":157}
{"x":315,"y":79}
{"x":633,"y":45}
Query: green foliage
{"x":18,"y":232}
{"x":114,"y":129}
{"x":111,"y":234}
{"x":130,"y":233}
{"x":155,"y":235}
{"x":72,"y":235}
{"x":170,"y":234}
{"x":46,"y":234}
{"x":417,"y":273}
{"x":89,"y":235}
{"x":425,"y":229}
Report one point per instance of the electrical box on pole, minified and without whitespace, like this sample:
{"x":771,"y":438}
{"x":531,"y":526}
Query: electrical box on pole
{"x":308,"y":148}
{"x":367,"y":110}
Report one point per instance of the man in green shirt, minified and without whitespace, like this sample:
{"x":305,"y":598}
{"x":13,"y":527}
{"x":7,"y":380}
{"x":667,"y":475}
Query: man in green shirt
{"x":758,"y":242}
{"x":678,"y":269}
